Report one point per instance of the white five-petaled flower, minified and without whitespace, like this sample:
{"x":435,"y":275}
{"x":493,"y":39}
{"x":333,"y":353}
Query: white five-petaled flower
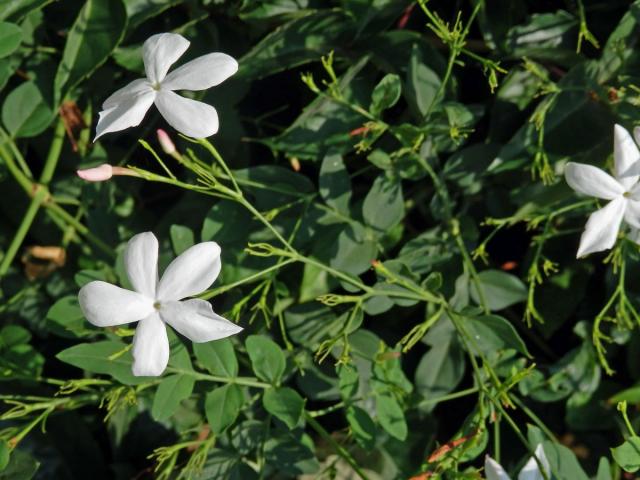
{"x":128,"y":106}
{"x":154,"y":303}
{"x":622,"y":190}
{"x":531,"y":471}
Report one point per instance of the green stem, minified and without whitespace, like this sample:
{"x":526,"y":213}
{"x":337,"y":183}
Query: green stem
{"x":54,"y":153}
{"x":340,"y":450}
{"x":217,"y":291}
{"x":246,"y":381}
{"x":23,"y":229}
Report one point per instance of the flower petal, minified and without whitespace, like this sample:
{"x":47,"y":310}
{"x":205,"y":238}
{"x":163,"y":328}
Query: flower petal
{"x":150,"y":347}
{"x":493,"y":470}
{"x":592,"y":181}
{"x":189,"y":117}
{"x":202,"y":73}
{"x":126,"y":93}
{"x":626,"y":157}
{"x":602,"y":228}
{"x":196,"y":320}
{"x":106,"y":305}
{"x":141,"y":263}
{"x":632,"y":213}
{"x":531,"y":470}
{"x":128,"y":113}
{"x":161,"y":51}
{"x":190,"y":273}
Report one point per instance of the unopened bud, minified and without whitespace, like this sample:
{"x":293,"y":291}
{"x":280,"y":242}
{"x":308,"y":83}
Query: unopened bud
{"x":104,"y":172}
{"x":96,"y":174}
{"x":165,"y":142}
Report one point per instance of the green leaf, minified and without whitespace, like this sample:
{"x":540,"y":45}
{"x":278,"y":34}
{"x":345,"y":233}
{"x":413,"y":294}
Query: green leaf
{"x":391,"y":416}
{"x":21,"y":466}
{"x":5,"y":454}
{"x":107,"y":357}
{"x":348,"y":382}
{"x":267,"y":358}
{"x":354,"y":250}
{"x":363,"y":428}
{"x":10,"y":38}
{"x":181,"y":238}
{"x":66,"y":313}
{"x":627,"y":455}
{"x":299,"y":41}
{"x":285,"y":404}
{"x":492,"y":333}
{"x":222,"y":407}
{"x":335,"y":184}
{"x":501,"y":289}
{"x":219,"y":357}
{"x":171,"y":391}
{"x":630,"y":395}
{"x":25,"y":112}
{"x":386,"y":94}
{"x":383,"y":206}
{"x":15,"y":10}
{"x":97,"y":31}
{"x":422,"y":83}
{"x":440,"y":370}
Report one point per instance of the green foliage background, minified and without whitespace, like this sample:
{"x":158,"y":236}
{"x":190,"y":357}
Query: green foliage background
{"x":397,"y":241}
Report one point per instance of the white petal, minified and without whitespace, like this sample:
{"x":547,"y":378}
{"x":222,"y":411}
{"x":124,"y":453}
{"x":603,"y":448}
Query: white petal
{"x":592,"y":181}
{"x":127,"y":93}
{"x":202,"y":73}
{"x":190,"y":273}
{"x":189,"y":117}
{"x":161,"y":51}
{"x":531,"y":470}
{"x":141,"y":263}
{"x":493,"y":470}
{"x":626,"y":157}
{"x":601,"y":230}
{"x":150,"y":347}
{"x":196,"y":320}
{"x":106,"y":305}
{"x":632,"y":213}
{"x":128,"y":113}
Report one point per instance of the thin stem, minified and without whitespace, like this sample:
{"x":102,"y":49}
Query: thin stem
{"x":23,"y":229}
{"x":246,"y":381}
{"x":217,"y":291}
{"x":340,"y":450}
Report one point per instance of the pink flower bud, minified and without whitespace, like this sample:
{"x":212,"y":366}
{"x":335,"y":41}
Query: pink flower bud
{"x":165,"y":142}
{"x":96,"y":174}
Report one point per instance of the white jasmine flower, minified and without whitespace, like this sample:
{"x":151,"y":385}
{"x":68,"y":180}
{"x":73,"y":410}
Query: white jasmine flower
{"x":128,"y":106}
{"x":622,"y":190}
{"x":155,"y":303}
{"x":531,"y":471}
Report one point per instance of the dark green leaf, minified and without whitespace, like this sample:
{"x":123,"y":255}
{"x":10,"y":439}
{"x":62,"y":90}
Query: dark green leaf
{"x":95,"y":34}
{"x":222,"y":407}
{"x":335,"y":184}
{"x":391,"y":416}
{"x":384,"y":204}
{"x":363,"y":428}
{"x":10,"y":38}
{"x":181,"y":238}
{"x":285,"y":404}
{"x":219,"y":357}
{"x":25,"y":112}
{"x":386,"y":94}
{"x":501,"y":289}
{"x":171,"y":391}
{"x":491,"y":333}
{"x":267,"y":358}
